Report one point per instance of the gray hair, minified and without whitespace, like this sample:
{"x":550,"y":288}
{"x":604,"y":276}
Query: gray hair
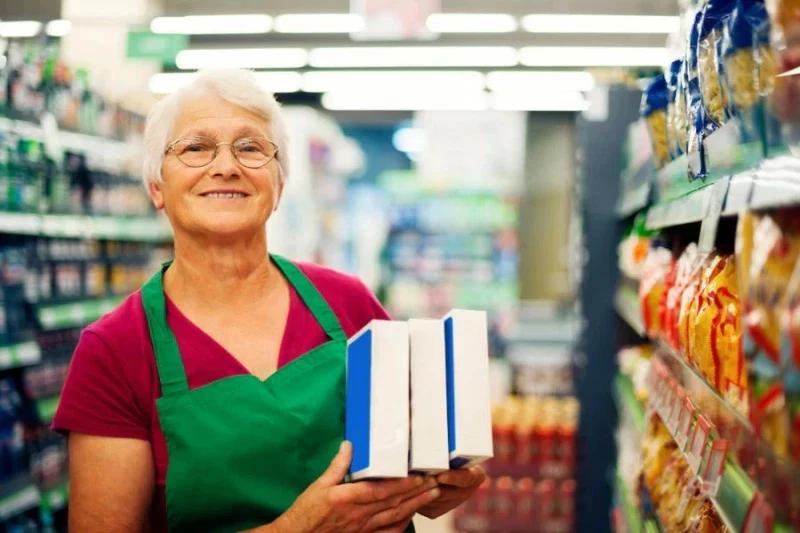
{"x":236,"y":86}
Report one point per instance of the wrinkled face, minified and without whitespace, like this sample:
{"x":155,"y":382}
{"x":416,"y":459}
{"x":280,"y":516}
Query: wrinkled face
{"x":223,"y":198}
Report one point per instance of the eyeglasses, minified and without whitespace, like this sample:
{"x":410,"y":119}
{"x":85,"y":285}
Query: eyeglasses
{"x":251,"y":152}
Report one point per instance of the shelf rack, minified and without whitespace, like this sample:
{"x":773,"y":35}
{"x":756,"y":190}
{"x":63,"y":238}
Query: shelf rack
{"x":19,"y":355}
{"x":75,"y":314}
{"x":117,"y":228}
{"x":626,"y":303}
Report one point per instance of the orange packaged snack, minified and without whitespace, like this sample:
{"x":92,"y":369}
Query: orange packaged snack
{"x":775,"y":242}
{"x":791,"y":324}
{"x":653,"y":285}
{"x":674,"y":296}
{"x":717,"y":349}
{"x":688,"y":310}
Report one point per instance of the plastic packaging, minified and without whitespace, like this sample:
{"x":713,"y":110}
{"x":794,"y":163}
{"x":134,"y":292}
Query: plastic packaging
{"x":674,"y":296}
{"x":791,"y":325}
{"x":654,"y":112}
{"x":692,"y":93}
{"x":653,"y":285}
{"x":772,"y":250}
{"x":676,"y":111}
{"x":715,"y":104}
{"x":784,"y":100}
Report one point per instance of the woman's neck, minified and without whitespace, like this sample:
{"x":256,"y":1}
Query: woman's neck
{"x":220,"y":274}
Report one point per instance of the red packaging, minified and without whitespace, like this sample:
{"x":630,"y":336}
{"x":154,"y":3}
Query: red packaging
{"x":503,"y":497}
{"x":546,"y":436}
{"x":526,"y":448}
{"x":524,"y":497}
{"x":567,"y":492}
{"x":504,"y":449}
{"x":546,"y":499}
{"x":481,"y":501}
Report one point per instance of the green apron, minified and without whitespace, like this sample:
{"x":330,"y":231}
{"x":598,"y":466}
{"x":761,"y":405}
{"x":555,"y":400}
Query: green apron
{"x":241,"y":450}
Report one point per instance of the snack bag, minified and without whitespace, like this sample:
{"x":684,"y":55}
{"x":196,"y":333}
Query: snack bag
{"x":717,"y":348}
{"x":674,"y":296}
{"x":688,"y":307}
{"x":749,"y":64}
{"x":652,"y":286}
{"x":669,"y":284}
{"x":715,"y":104}
{"x":676,"y":120}
{"x":785,"y":37}
{"x":654,"y":111}
{"x":791,"y":327}
{"x":775,"y":250}
{"x":694,"y":97}
{"x":682,"y":118}
{"x":633,"y":249}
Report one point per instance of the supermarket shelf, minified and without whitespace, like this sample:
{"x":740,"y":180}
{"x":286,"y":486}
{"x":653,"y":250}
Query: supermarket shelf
{"x":76,"y":314}
{"x":46,"y":408}
{"x":121,"y":228}
{"x":17,"y":496}
{"x":627,"y":305}
{"x":56,"y":498}
{"x":631,"y":514}
{"x":634,"y":200}
{"x":626,"y":398}
{"x":19,"y":355}
{"x":690,"y":420}
{"x":79,"y":142}
{"x":684,"y":210}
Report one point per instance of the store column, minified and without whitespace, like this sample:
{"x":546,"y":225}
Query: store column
{"x":97,"y":43}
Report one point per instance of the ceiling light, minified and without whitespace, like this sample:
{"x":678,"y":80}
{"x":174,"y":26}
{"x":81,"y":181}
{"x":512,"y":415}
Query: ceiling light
{"x":524,"y":81}
{"x":548,"y":100}
{"x":600,"y":24}
{"x":592,"y":56}
{"x":319,"y":23}
{"x":414,"y":56}
{"x":322,"y":81}
{"x":20,"y":29}
{"x":212,"y":24}
{"x":58,"y":28}
{"x":472,"y":23}
{"x":274,"y":82}
{"x":402,"y":101}
{"x":242,"y":58}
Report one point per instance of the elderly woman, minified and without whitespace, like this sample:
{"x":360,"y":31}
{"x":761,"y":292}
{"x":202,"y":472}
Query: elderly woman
{"x":213,"y":399}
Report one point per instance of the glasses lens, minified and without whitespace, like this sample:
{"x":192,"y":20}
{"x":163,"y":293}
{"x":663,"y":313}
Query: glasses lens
{"x":254,"y":153}
{"x":196,"y":151}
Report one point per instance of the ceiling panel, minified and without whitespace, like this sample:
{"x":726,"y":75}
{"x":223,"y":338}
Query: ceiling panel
{"x":30,"y":9}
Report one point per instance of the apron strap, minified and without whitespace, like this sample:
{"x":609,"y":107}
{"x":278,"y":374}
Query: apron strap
{"x":171,"y":372}
{"x":312,"y":298}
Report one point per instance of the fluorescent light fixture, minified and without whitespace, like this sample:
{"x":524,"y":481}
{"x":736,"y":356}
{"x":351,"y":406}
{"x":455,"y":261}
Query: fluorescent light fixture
{"x":58,"y":28}
{"x":20,"y":29}
{"x":322,"y":81}
{"x":319,"y":23}
{"x":410,"y":140}
{"x":526,"y":81}
{"x":472,"y":23}
{"x":402,"y":101}
{"x":601,"y":24}
{"x":212,"y":24}
{"x":547,"y":100}
{"x":274,"y":82}
{"x":242,"y":58}
{"x":592,"y":56}
{"x":414,"y":56}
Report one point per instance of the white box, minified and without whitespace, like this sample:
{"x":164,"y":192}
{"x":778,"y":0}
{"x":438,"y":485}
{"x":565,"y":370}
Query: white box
{"x":429,"y":453}
{"x":376,"y":418}
{"x":469,"y":417}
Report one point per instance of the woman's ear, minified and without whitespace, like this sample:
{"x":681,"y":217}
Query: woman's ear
{"x":154,"y":190}
{"x":278,"y":193}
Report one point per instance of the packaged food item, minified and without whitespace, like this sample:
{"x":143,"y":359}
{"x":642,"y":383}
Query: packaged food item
{"x":653,"y":285}
{"x":654,"y":112}
{"x":683,"y":123}
{"x":785,"y":36}
{"x":684,"y":270}
{"x":694,"y":96}
{"x":377,"y":406}
{"x":748,"y":60}
{"x":633,"y":249}
{"x":715,"y":106}
{"x":689,"y":306}
{"x":775,"y":243}
{"x":676,"y":111}
{"x":791,"y":325}
{"x":717,"y":349}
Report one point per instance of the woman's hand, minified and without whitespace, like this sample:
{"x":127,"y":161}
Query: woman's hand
{"x":457,"y":486}
{"x":327,"y":506}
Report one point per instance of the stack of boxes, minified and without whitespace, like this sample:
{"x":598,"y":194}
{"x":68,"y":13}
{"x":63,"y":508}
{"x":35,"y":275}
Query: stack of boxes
{"x":418,"y":397}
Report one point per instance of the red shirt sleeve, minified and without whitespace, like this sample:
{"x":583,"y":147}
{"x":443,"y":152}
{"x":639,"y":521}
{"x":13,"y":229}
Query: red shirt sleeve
{"x":97,"y":398}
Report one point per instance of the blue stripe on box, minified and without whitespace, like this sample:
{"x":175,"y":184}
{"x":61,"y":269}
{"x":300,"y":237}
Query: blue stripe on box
{"x":357,"y":414}
{"x":451,"y":393}
{"x":458,"y":462}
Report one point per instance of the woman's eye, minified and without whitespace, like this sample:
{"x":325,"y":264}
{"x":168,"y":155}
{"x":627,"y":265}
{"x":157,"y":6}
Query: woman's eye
{"x":196,"y":147}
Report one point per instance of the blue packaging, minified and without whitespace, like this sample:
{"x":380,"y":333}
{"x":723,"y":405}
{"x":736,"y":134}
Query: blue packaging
{"x":676,"y":142}
{"x":654,"y":111}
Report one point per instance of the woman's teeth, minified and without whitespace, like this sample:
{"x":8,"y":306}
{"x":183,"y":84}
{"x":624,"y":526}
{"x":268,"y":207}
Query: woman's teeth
{"x":225,"y":195}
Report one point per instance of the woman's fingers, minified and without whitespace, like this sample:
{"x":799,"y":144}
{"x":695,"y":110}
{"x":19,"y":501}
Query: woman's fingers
{"x":370,"y":492}
{"x":338,"y":468}
{"x":399,"y":513}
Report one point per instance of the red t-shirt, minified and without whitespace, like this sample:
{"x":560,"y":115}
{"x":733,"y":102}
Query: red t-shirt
{"x":113,"y":383}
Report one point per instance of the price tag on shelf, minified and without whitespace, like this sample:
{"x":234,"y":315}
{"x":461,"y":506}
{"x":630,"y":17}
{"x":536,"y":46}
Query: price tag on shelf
{"x":715,"y":467}
{"x":684,"y":423}
{"x":697,"y":445}
{"x":760,"y":516}
{"x":676,"y":403}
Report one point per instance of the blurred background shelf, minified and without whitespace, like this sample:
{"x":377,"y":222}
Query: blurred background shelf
{"x":19,"y":355}
{"x":75,"y":314}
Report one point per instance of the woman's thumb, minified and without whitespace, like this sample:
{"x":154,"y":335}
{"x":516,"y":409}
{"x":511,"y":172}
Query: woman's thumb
{"x":339,"y":466}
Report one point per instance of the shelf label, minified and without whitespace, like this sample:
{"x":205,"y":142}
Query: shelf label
{"x":715,"y":467}
{"x":713,"y":210}
{"x":760,"y":517}
{"x":684,"y":423}
{"x":676,"y":402}
{"x":699,"y":440}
